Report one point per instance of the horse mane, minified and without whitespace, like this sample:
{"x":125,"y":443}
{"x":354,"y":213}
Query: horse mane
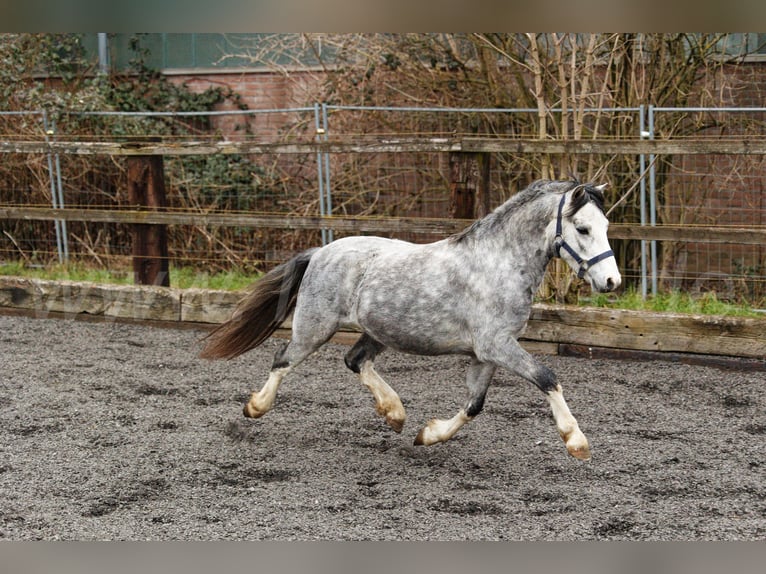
{"x":529,"y":195}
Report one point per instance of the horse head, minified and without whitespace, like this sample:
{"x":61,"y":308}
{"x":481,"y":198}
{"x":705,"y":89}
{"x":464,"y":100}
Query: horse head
{"x":581,"y":237}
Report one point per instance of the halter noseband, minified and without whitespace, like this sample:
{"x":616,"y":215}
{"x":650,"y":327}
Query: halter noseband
{"x":559,"y":242}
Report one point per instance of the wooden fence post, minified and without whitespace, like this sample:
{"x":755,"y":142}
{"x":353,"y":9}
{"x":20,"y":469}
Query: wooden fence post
{"x":146,"y":190}
{"x":469,"y":184}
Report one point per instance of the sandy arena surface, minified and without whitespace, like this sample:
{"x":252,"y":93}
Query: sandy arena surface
{"x":119,"y":432}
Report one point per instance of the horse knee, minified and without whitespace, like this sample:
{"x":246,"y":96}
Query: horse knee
{"x":545,"y":379}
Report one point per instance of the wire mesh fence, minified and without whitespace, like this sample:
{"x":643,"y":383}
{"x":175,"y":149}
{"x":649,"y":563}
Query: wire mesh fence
{"x":712,"y":190}
{"x":693,"y":190}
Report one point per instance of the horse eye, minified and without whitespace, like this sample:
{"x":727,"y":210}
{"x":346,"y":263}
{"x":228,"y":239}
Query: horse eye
{"x":583,"y":230}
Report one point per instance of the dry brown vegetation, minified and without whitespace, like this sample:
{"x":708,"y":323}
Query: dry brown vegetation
{"x":576,"y":86}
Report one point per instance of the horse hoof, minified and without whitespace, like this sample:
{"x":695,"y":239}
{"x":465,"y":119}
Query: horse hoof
{"x":251,"y":413}
{"x":396,"y":424}
{"x":581,"y":452}
{"x":576,"y":443}
{"x":419,"y":440}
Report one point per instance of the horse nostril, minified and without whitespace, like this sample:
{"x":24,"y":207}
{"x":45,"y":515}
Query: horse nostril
{"x":609,"y":284}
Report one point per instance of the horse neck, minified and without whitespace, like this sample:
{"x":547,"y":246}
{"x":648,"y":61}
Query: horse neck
{"x":519,"y":240}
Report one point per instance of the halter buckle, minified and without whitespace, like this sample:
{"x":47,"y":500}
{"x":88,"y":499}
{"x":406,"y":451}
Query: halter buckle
{"x":558,"y":242}
{"x":584,"y":266}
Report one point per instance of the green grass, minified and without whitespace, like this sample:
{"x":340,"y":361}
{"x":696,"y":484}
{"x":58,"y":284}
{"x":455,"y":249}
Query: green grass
{"x":186,"y":277}
{"x":673,"y":302}
{"x":180,"y":277}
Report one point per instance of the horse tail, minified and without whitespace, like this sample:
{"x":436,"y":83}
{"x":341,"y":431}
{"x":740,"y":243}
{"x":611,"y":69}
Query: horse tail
{"x":270,"y":300}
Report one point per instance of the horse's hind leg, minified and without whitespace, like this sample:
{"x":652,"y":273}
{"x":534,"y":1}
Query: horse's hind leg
{"x":439,"y":430}
{"x":387,"y":403}
{"x":287,"y":358}
{"x":261,"y":402}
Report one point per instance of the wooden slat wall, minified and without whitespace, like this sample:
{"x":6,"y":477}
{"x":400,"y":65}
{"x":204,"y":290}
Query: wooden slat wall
{"x":548,"y":325}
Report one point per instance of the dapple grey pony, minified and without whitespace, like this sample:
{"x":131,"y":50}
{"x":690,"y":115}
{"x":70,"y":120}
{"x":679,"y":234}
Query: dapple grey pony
{"x":469,"y":294}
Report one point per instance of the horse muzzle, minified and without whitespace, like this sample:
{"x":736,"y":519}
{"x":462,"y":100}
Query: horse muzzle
{"x":611,"y":284}
{"x":607,"y":284}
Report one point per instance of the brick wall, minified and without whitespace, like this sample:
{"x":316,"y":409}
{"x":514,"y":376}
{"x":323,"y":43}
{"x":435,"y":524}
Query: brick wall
{"x":258,"y":90}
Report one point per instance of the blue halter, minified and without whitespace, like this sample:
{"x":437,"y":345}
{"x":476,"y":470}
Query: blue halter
{"x":559,"y":242}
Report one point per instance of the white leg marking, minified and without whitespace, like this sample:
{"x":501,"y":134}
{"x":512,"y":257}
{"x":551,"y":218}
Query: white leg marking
{"x":440,"y":430}
{"x":262,"y":401}
{"x":576,"y":443}
{"x":387,"y":402}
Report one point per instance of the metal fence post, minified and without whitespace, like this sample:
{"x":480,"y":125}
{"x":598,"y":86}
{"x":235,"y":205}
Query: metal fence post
{"x":60,"y":191}
{"x":652,"y":202}
{"x":57,"y":194}
{"x":644,"y":133}
{"x":327,"y":186}
{"x":320,"y":168}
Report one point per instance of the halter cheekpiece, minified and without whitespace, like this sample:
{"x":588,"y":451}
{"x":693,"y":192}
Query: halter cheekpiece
{"x":559,"y":242}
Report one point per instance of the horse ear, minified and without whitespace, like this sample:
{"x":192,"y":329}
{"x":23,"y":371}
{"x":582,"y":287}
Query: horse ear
{"x":579,"y":191}
{"x":603,"y":187}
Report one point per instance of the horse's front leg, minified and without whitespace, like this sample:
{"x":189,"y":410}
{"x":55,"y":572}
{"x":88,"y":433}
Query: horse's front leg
{"x":569,"y":430}
{"x":510,"y":355}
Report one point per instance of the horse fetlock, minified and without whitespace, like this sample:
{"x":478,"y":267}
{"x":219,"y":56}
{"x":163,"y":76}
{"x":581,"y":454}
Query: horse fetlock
{"x":387,"y":403}
{"x":261,"y":402}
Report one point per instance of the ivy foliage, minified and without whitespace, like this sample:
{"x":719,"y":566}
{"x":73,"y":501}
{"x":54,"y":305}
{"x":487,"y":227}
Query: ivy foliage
{"x":52,"y":72}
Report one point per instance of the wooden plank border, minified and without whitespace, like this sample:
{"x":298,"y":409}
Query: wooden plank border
{"x":649,"y":331}
{"x":549,"y":327}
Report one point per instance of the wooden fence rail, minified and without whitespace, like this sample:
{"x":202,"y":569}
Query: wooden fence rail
{"x":367,"y":224}
{"x":749,"y":146}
